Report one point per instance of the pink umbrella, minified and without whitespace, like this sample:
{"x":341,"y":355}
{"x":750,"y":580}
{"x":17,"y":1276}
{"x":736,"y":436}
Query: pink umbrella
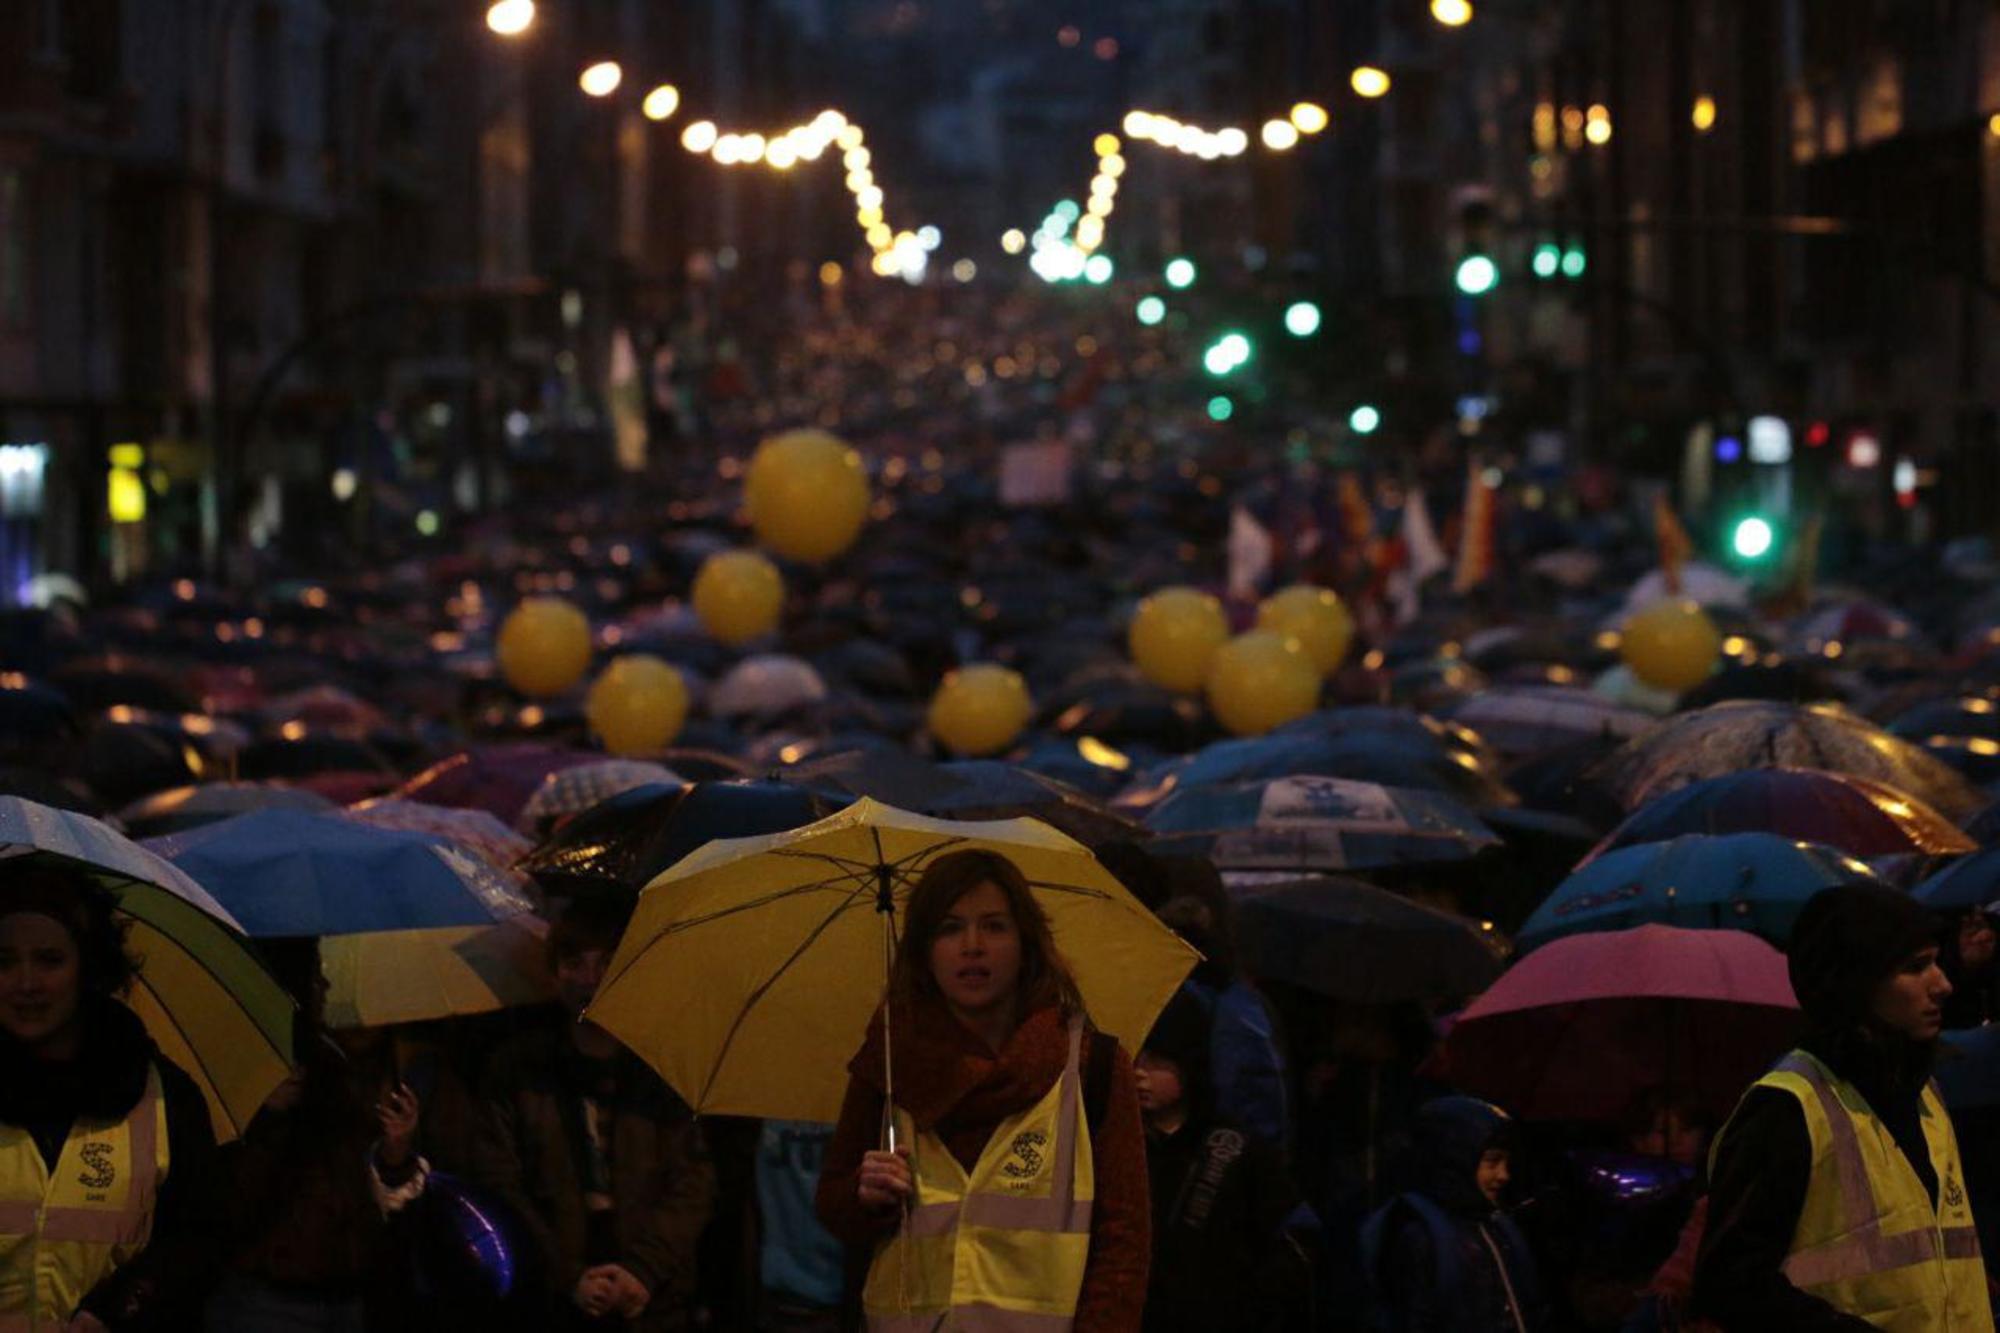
{"x":1583,"y":1026}
{"x":498,"y":779}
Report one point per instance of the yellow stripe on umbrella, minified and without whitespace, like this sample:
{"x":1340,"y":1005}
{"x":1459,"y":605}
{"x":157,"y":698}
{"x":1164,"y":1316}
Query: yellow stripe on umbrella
{"x":414,"y":976}
{"x":752,"y":967}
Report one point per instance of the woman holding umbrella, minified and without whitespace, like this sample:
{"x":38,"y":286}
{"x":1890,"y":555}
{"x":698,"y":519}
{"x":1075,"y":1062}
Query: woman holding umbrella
{"x":104,"y":1143}
{"x":1014,"y":1127}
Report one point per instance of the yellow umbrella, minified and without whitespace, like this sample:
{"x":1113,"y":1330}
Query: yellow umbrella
{"x":752,"y":967}
{"x":412,"y":976}
{"x":201,"y":991}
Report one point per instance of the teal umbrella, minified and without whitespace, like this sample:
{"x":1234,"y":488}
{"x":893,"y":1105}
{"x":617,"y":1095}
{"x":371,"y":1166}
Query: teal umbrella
{"x":1756,"y":882}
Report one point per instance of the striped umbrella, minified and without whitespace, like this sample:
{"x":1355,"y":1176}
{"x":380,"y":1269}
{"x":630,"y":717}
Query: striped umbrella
{"x":571,"y":791}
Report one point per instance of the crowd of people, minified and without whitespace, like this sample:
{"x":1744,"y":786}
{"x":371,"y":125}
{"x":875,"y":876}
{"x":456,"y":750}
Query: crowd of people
{"x":1273,"y":1154}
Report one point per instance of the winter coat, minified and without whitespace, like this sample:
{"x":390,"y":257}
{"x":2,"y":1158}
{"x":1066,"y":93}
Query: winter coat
{"x":162,"y":1286}
{"x":955,"y":1086}
{"x":1246,"y":1061}
{"x":1448,"y":1260}
{"x":530,"y":1149}
{"x":1221,"y":1259}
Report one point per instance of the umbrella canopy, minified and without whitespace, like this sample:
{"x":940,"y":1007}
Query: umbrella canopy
{"x":1559,"y":781}
{"x":1968,"y":1072}
{"x":988,"y":789}
{"x":571,"y":791}
{"x":299,"y":753}
{"x":1580,"y":1029}
{"x":473,"y":830}
{"x":202,"y":993}
{"x":1858,"y":816}
{"x":412,"y":928}
{"x":751,"y":970}
{"x":765,"y":686}
{"x":1972,"y":882}
{"x":1757,"y":882}
{"x":284,"y":872}
{"x":325,"y":706}
{"x":33,"y":715}
{"x":1792,"y":682}
{"x":1702,"y":582}
{"x":622,"y":844}
{"x":184,"y":808}
{"x":1312,"y":824}
{"x":1740,"y":734}
{"x":1394,"y":759}
{"x":1532,"y":719}
{"x":498,"y":779}
{"x":1352,"y":941}
{"x":1849,"y":622}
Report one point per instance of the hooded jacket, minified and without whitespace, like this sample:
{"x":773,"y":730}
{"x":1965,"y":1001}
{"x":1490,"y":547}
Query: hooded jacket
{"x":162,"y":1286}
{"x":957,"y":1087}
{"x":1486,"y":1279}
{"x":1846,"y":941}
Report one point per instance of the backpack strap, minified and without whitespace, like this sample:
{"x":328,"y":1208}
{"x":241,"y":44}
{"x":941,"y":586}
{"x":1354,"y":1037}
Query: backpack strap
{"x":1102,"y":1050}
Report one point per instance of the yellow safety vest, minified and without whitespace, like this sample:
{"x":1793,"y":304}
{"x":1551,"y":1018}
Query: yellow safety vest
{"x":1869,"y":1242}
{"x":1002,"y":1249}
{"x":62,"y":1234}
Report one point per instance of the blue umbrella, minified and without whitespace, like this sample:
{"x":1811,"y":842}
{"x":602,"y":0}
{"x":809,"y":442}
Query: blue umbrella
{"x":1395,"y":759}
{"x":1971,"y":882}
{"x":1968,"y":1069}
{"x":1734,"y":881}
{"x":285,"y":872}
{"x":1315,"y":823}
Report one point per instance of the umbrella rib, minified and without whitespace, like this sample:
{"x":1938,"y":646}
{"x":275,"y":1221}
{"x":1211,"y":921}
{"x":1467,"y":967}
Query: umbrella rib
{"x":743,"y":1013}
{"x":776,"y":895}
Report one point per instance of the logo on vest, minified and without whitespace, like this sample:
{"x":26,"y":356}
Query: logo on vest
{"x":1954,"y":1197}
{"x":1024,"y":1156}
{"x":98,"y":1173}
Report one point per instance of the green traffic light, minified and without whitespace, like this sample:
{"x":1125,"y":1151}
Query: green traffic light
{"x":1548,"y":260}
{"x":1573,"y":262}
{"x":1097,"y":270}
{"x":1151,"y":310}
{"x":1180,"y":273}
{"x":1302,"y":319}
{"x":1220,"y":408}
{"x":1752,"y":538}
{"x":1364,"y":420}
{"x":1218,"y":360}
{"x":1477,"y":275}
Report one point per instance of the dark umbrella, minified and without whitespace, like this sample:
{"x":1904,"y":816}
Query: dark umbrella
{"x":1558,"y":781}
{"x":498,"y":779}
{"x":309,"y":753}
{"x":1313,"y":824}
{"x":98,"y":683}
{"x":33,"y":716}
{"x":1088,"y":764}
{"x":1352,"y":941}
{"x":1792,"y":682}
{"x":1968,"y":1069}
{"x":1120,"y":713}
{"x":184,"y":808}
{"x":122,"y":761}
{"x":1727,"y":737}
{"x":621,"y":845}
{"x":1971,"y":882}
{"x":1860,"y":817}
{"x":989,"y":789}
{"x":41,"y":787}
{"x":1389,"y":758}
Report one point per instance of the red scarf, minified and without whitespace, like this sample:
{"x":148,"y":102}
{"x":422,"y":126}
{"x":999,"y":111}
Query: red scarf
{"x":949,"y":1080}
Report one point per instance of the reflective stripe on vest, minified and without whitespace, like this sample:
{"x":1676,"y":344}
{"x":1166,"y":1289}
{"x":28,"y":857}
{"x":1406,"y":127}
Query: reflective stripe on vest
{"x":62,"y":1233}
{"x":1869,"y":1240}
{"x":1002,"y":1249}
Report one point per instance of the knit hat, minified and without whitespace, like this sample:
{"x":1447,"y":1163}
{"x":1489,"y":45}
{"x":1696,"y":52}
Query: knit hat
{"x":1846,"y":941}
{"x":1181,"y":1034}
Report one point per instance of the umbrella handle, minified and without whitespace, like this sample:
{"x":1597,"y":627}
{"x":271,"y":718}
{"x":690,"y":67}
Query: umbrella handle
{"x":886,"y":907}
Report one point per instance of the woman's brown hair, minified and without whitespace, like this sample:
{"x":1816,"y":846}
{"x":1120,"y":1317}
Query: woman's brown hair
{"x":1045,"y":978}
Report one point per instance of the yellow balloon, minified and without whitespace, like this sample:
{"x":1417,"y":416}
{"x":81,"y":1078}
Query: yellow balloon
{"x":1262,"y":680}
{"x":1671,"y":645}
{"x":1174,"y":636}
{"x":738,"y":596}
{"x":980,"y":709}
{"x":544,"y":646}
{"x":636,"y":705}
{"x":1316,"y":617}
{"x":807,"y":495}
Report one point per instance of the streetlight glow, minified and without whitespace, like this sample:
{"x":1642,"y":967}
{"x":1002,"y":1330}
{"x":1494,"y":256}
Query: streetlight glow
{"x":601,"y":79}
{"x":699,"y":137}
{"x":662,"y":102}
{"x":1452,"y":13}
{"x":1180,"y":273}
{"x":1368,"y":81}
{"x":1704,"y":113}
{"x":1151,"y":310}
{"x":1012,"y":241}
{"x":1309,"y":117}
{"x":510,"y":18}
{"x":1477,"y":275}
{"x":1364,"y":420}
{"x":1279,"y":135}
{"x":1302,"y":319}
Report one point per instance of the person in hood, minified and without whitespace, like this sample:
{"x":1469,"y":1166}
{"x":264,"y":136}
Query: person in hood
{"x":1016,"y":1176}
{"x":1445,"y":1257}
{"x":1837,"y":1198}
{"x":104,"y":1143}
{"x":1221,"y":1256}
